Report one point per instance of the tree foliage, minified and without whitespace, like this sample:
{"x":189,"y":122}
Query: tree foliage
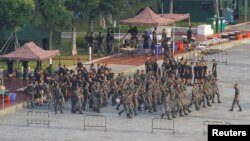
{"x":54,"y":13}
{"x":14,"y":14}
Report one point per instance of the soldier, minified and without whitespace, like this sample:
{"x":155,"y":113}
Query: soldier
{"x":236,"y":97}
{"x":207,"y":92}
{"x":150,"y":95}
{"x":178,"y":99}
{"x":195,"y":97}
{"x":131,"y":105}
{"x":76,"y":101}
{"x":30,"y":94}
{"x":166,"y":96}
{"x":215,"y":91}
{"x":172,"y":100}
{"x":184,"y":98}
{"x":97,"y":98}
{"x":125,"y":104}
{"x":58,"y":96}
{"x":85,"y":96}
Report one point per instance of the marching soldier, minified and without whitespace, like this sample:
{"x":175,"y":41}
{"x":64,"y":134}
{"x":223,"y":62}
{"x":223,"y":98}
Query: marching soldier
{"x":167,"y":98}
{"x":30,"y":94}
{"x":207,"y":92}
{"x":58,"y":96}
{"x":215,"y":90}
{"x":236,"y":97}
{"x":195,"y":97}
{"x":85,"y":96}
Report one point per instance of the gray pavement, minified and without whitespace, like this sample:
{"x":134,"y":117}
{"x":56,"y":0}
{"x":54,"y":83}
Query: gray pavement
{"x":242,"y":27}
{"x":69,"y":127}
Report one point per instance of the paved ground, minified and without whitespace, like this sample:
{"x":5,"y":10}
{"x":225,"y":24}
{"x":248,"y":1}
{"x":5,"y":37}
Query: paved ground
{"x":69,"y":127}
{"x":242,"y":27}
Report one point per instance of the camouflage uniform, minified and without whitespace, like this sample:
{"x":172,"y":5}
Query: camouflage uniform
{"x":195,"y":98}
{"x":215,"y":91}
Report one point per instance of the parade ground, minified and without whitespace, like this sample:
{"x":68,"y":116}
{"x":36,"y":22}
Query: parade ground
{"x":69,"y":127}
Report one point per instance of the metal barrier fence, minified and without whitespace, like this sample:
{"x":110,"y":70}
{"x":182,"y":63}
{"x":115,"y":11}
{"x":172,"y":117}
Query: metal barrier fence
{"x":162,"y":124}
{"x":37,"y":117}
{"x":206,"y":123}
{"x":95,"y":121}
{"x":218,"y":55}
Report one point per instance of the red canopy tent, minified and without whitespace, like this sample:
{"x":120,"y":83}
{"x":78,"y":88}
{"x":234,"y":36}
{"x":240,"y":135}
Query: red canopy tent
{"x":148,"y":17}
{"x":176,"y":17}
{"x":30,"y":51}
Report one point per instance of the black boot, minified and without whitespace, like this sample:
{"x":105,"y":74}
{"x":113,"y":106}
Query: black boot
{"x":231,"y":110}
{"x":174,"y":115}
{"x":181,"y":115}
{"x":213,"y":101}
{"x":155,"y":110}
{"x":189,"y":110}
{"x":219,"y":100}
{"x":208,"y":104}
{"x":185,"y":113}
{"x":162,"y":115}
{"x":168,"y":117}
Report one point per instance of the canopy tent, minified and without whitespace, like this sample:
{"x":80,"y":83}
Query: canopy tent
{"x":148,"y":17}
{"x":176,"y":17}
{"x":30,"y":51}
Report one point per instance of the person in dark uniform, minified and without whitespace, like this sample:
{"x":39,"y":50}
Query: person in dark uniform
{"x":146,"y":39}
{"x":99,"y":39}
{"x":25,"y":69}
{"x":196,"y":72}
{"x":79,"y":63}
{"x":10,"y":68}
{"x":189,"y":36}
{"x":154,"y":41}
{"x":214,"y":69}
{"x":109,"y":41}
{"x":236,"y":97}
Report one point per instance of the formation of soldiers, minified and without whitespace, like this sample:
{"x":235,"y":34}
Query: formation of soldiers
{"x":152,"y":90}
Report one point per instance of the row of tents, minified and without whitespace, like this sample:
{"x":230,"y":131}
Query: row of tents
{"x":30,"y":51}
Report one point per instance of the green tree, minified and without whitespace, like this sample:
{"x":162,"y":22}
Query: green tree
{"x":54,"y":14}
{"x":14,"y":14}
{"x":78,"y":7}
{"x":103,"y":8}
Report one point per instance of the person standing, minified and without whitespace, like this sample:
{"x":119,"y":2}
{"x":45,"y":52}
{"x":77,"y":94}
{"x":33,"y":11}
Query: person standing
{"x":189,"y":37}
{"x":146,"y":39}
{"x":214,"y":69}
{"x":236,"y":97}
{"x":99,"y":39}
{"x":154,"y":41}
{"x":58,"y":99}
{"x":110,"y":41}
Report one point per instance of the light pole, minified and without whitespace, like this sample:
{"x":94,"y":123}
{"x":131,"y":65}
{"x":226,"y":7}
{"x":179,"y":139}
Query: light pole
{"x":246,"y":5}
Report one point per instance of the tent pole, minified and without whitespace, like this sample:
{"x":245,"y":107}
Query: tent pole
{"x":119,"y":38}
{"x":173,"y":38}
{"x":189,"y":20}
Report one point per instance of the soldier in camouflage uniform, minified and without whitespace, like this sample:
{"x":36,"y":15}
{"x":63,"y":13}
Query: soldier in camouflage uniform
{"x":207,"y":92}
{"x":183,"y":95}
{"x":166,"y":96}
{"x":58,"y":96}
{"x":178,"y":100}
{"x":172,"y":100}
{"x":215,"y":91}
{"x":195,"y":97}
